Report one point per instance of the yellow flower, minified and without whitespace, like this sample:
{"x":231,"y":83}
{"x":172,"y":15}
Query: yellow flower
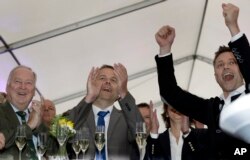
{"x":70,"y":124}
{"x":62,"y":122}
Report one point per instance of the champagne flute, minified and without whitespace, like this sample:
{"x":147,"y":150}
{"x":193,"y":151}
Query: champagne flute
{"x":141,"y":136}
{"x":61,"y":135}
{"x":100,"y":138}
{"x":20,"y":138}
{"x":76,"y":143}
{"x":84,"y":142}
{"x":42,"y":139}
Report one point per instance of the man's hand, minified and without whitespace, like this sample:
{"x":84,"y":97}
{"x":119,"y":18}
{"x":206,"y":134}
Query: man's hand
{"x":231,"y":13}
{"x":165,"y":38}
{"x":35,"y":118}
{"x":153,"y":119}
{"x":93,"y":87}
{"x":2,"y":141}
{"x":121,"y":73}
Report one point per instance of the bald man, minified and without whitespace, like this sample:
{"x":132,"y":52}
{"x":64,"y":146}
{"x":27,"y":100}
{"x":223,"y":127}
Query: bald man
{"x":49,"y":112}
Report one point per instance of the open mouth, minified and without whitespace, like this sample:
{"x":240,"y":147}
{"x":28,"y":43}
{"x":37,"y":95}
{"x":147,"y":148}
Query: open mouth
{"x":21,"y":93}
{"x":228,"y":76}
{"x":107,"y":89}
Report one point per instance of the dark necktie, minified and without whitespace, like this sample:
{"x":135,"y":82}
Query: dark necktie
{"x":22,"y":114}
{"x":30,"y":143}
{"x":101,"y":122}
{"x":235,"y":97}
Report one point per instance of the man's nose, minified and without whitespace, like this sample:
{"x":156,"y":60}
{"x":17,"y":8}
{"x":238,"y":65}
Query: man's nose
{"x":22,"y":85}
{"x":107,"y":81}
{"x":227,"y":65}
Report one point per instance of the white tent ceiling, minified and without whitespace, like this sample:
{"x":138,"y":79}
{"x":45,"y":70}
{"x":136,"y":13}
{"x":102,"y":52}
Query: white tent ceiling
{"x":61,"y":40}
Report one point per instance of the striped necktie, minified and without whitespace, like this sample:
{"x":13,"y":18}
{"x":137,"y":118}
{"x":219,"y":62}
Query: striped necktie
{"x":22,"y":114}
{"x":30,"y":143}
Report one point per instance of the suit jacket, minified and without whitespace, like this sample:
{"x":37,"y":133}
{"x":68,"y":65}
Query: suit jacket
{"x":194,"y":146}
{"x":8,"y":125}
{"x":121,"y":129}
{"x":221,"y":146}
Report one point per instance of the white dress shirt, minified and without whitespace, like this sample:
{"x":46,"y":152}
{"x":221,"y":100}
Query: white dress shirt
{"x":176,"y":148}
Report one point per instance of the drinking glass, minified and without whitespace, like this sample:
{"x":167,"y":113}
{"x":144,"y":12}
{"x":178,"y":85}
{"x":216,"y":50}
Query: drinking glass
{"x":20,"y":138}
{"x":84,"y":142}
{"x":100,"y":138}
{"x":141,"y":136}
{"x":42,"y":139}
{"x":61,"y":135}
{"x":76,"y":143}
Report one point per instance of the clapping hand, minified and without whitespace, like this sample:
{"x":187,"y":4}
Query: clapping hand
{"x":153,"y":119}
{"x":122,"y":76}
{"x":93,"y":86}
{"x":35,"y":118}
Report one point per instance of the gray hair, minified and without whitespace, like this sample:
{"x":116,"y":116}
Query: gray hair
{"x":17,"y":67}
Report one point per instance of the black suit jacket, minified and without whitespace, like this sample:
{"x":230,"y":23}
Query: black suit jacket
{"x":194,"y":146}
{"x":221,"y":146}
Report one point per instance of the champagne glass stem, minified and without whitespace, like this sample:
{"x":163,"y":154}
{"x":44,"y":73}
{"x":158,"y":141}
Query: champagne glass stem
{"x":39,"y":157}
{"x":20,"y":154}
{"x":76,"y":156}
{"x":83,"y":154}
{"x":141,"y":158}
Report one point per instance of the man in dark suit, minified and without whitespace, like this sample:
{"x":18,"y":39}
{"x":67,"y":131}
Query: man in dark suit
{"x":231,"y":65}
{"x":20,"y":91}
{"x":105,"y":86}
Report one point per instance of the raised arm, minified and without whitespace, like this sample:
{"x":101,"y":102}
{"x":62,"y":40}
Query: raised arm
{"x":170,"y":92}
{"x":240,"y":46}
{"x":165,"y":38}
{"x":230,"y":13}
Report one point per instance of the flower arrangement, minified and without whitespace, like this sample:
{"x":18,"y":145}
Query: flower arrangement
{"x":62,"y":129}
{"x":61,"y":121}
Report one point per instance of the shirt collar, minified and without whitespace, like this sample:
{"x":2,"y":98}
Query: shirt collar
{"x":227,"y":101}
{"x":97,"y":109}
{"x":16,"y":110}
{"x":239,"y":90}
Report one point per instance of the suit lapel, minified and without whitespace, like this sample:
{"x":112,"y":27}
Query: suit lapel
{"x":165,"y":145}
{"x":10,"y":115}
{"x":91,"y":123}
{"x":114,"y":118}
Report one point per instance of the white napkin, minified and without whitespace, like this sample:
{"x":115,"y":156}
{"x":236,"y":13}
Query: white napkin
{"x":235,"y":118}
